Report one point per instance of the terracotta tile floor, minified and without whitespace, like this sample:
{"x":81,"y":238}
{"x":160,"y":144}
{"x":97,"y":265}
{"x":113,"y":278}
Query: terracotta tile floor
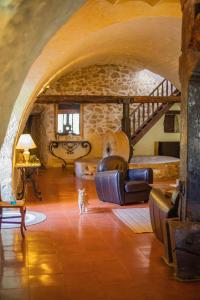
{"x":91,"y":257}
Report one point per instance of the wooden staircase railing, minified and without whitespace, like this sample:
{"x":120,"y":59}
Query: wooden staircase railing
{"x":147,"y":114}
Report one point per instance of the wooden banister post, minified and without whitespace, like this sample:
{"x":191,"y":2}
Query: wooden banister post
{"x":126,"y":121}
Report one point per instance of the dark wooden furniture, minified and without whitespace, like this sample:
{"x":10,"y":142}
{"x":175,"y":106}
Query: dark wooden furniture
{"x":147,"y":114}
{"x":20,"y":204}
{"x":29,"y":172}
{"x":168,"y":149}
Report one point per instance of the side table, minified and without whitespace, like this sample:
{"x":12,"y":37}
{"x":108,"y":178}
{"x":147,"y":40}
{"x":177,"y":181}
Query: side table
{"x":28,"y":174}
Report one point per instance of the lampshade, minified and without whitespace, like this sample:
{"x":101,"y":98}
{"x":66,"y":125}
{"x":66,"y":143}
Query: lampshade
{"x":25,"y":142}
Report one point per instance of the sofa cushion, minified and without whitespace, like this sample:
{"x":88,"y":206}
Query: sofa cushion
{"x":136,"y":186}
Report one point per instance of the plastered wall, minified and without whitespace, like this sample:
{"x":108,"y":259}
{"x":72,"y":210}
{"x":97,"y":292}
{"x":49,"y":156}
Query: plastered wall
{"x":156,"y":134}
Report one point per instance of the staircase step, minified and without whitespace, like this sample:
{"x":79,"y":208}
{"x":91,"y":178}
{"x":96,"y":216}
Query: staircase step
{"x":139,"y":133}
{"x":147,"y":109}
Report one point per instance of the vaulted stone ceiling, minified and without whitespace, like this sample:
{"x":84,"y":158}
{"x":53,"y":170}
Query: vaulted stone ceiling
{"x":142,"y":34}
{"x":131,"y":33}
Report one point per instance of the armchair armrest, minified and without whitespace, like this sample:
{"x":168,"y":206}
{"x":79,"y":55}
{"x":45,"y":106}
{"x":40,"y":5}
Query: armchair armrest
{"x":140,"y":175}
{"x":109,"y":186}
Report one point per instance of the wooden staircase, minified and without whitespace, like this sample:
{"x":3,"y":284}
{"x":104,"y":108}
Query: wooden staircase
{"x":145,"y":116}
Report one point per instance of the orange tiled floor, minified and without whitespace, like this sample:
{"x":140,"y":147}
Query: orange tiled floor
{"x":91,"y":257}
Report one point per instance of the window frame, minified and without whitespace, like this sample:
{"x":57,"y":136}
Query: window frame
{"x":57,"y":111}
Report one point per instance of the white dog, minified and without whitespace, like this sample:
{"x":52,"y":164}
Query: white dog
{"x":82,"y":201}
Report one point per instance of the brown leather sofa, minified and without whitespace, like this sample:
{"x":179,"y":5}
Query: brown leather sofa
{"x":116,"y":183}
{"x":161,"y":208}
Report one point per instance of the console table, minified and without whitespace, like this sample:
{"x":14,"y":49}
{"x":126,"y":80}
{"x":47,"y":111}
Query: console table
{"x":28,"y":174}
{"x":69,"y":147}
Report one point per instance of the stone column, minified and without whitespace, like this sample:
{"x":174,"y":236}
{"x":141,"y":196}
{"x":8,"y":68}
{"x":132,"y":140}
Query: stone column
{"x":185,"y":232}
{"x":188,"y":76}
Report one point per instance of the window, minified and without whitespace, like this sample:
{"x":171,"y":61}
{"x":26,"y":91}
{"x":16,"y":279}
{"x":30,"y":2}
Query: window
{"x":68,"y":119}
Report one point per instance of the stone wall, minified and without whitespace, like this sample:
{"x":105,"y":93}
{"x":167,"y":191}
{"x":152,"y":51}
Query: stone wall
{"x":113,"y":80}
{"x":98,"y":119}
{"x":185,"y":258}
{"x":101,"y":118}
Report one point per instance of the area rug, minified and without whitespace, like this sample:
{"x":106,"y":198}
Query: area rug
{"x":137,"y":219}
{"x":32,"y":217}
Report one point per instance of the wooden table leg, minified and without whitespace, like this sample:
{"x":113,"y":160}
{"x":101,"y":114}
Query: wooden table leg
{"x":22,"y":212}
{"x":1,"y":216}
{"x":29,"y":175}
{"x":20,"y":195}
{"x":25,"y":218}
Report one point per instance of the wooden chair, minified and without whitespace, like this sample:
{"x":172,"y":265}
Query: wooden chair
{"x":22,"y":209}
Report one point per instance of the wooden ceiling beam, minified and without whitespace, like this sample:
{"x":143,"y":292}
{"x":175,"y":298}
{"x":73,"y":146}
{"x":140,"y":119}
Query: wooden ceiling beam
{"x":51,"y":99}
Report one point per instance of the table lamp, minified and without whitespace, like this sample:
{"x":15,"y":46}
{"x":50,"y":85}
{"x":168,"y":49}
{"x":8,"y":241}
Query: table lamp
{"x":25,"y":143}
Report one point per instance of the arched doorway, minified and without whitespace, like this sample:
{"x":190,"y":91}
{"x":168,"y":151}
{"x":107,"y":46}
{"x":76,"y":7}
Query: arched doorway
{"x":81,"y":53}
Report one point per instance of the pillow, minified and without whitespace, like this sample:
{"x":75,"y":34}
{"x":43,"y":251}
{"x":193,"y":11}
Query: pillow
{"x":90,"y":170}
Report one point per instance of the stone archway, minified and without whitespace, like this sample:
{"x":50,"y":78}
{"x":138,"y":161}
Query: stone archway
{"x":26,"y":26}
{"x":123,"y":20}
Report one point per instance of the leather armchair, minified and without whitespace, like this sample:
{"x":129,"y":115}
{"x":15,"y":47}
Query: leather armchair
{"x":116,"y":183}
